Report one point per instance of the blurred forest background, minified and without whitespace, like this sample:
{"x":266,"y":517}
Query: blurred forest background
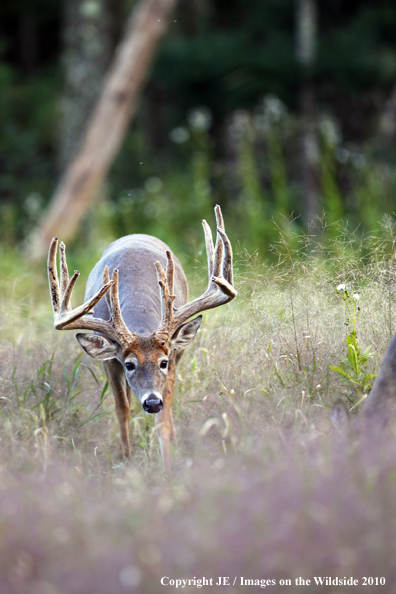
{"x":282,"y":111}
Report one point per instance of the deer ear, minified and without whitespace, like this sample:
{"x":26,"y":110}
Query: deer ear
{"x":185,"y":334}
{"x":97,"y":346}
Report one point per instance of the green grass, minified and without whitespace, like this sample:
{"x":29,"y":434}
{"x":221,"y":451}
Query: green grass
{"x":262,"y":488}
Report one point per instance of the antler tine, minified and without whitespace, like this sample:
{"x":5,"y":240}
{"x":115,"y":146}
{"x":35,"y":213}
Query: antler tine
{"x":66,"y":304}
{"x":170,"y":268}
{"x":53,"y":276}
{"x":227,"y":258}
{"x":66,"y":318}
{"x":209,"y":248}
{"x":218,"y":256}
{"x":219,"y":248}
{"x":219,"y":218}
{"x":115,"y":310}
{"x":220,"y":289}
{"x":165,"y":282}
{"x":161,"y":276}
{"x":106,"y":279}
{"x":113,"y":304}
{"x":64,"y":273}
{"x":74,"y":319}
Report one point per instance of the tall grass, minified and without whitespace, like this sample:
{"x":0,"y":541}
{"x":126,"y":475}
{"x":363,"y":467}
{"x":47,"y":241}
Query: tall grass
{"x":262,"y":488}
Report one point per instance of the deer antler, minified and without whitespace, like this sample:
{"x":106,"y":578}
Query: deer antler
{"x":220,"y":289}
{"x":66,"y":318}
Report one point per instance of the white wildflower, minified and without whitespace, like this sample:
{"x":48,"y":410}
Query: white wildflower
{"x":179,"y":135}
{"x":274,"y":108}
{"x":341,"y":287}
{"x":356,"y":296}
{"x":200,"y":119}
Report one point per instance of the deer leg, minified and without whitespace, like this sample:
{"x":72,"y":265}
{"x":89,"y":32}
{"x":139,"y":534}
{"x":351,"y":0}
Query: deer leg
{"x":163,"y":427}
{"x":164,"y":419}
{"x":128,"y":393}
{"x":173,"y":435}
{"x":116,"y":378}
{"x":166,"y":431}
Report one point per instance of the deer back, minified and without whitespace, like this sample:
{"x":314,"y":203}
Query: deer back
{"x":134,"y":256}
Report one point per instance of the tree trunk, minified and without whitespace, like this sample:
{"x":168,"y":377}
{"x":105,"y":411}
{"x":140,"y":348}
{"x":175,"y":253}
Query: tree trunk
{"x":387,"y":122}
{"x":306,"y":28}
{"x":85,"y":57}
{"x":107,"y":126}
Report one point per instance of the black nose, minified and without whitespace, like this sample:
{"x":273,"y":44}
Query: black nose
{"x":152,"y":404}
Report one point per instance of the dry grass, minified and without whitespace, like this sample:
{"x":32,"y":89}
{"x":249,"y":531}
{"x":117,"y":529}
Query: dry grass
{"x":262,"y":488}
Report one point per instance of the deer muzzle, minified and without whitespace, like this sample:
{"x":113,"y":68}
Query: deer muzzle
{"x":152,"y":404}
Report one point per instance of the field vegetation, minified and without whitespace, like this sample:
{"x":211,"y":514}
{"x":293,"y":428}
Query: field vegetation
{"x":263,"y":488}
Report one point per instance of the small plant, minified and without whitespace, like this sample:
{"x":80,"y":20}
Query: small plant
{"x":354,"y":367}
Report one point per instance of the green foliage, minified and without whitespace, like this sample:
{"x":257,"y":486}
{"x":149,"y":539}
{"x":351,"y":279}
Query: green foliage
{"x":259,"y":183}
{"x":251,"y":410}
{"x":332,"y":197}
{"x":237,"y":61}
{"x":353,"y":367}
{"x":261,"y":362}
{"x":27,"y":129}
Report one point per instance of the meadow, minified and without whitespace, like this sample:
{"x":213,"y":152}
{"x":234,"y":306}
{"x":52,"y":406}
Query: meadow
{"x":263,"y":488}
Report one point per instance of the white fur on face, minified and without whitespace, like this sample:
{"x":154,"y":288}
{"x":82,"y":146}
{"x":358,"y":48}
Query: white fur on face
{"x":152,"y":393}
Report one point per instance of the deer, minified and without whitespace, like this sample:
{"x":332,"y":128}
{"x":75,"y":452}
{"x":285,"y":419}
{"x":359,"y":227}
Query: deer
{"x":140,"y":318}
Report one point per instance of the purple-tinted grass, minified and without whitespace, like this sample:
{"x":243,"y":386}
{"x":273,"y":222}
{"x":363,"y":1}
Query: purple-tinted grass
{"x":323,"y":508}
{"x":263,"y":489}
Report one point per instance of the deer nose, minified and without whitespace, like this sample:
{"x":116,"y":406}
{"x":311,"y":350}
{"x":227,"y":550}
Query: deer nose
{"x":152,"y":404}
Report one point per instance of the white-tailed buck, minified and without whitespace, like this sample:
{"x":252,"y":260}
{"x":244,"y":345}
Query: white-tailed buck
{"x":141,"y":329}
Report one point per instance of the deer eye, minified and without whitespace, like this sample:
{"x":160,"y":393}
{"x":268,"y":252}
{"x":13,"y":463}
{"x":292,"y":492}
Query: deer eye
{"x":164,"y":364}
{"x":130,"y":366}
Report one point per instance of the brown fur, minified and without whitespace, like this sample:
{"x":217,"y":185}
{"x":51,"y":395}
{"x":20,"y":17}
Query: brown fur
{"x":134,"y":256}
{"x":143,"y":326}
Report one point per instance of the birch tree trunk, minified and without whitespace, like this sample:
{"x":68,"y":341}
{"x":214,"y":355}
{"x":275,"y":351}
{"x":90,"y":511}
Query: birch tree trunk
{"x":306,"y":38}
{"x":107,"y":127}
